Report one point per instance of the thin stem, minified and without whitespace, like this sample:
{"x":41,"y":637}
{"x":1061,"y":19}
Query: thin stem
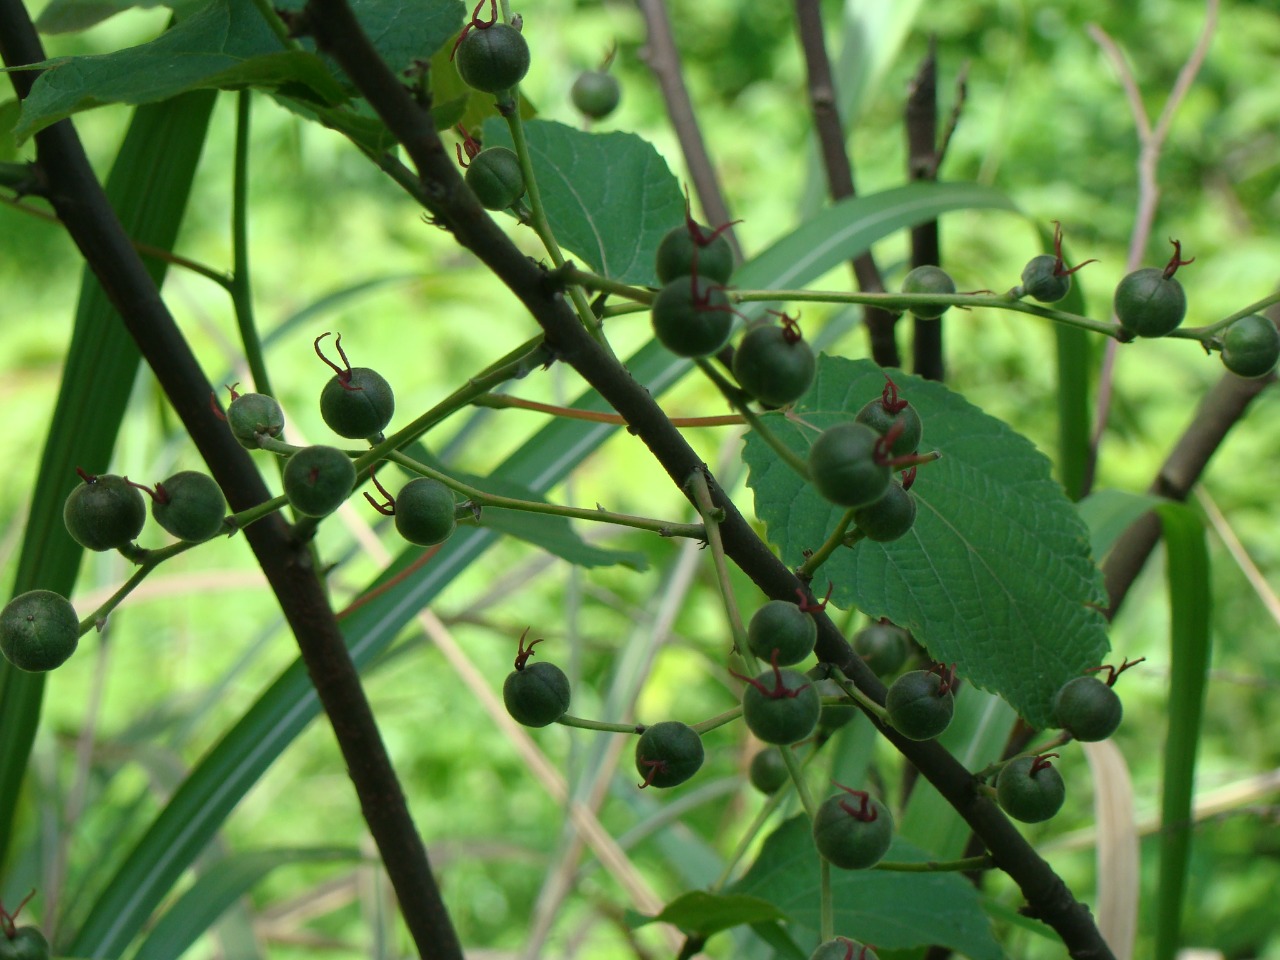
{"x":826,"y":901}
{"x":501,"y":401}
{"x":694,"y":531}
{"x":148,"y":561}
{"x":277,"y":25}
{"x":569,"y":721}
{"x":748,"y":837}
{"x":719,"y":720}
{"x":963,"y":865}
{"x":700,"y":493}
{"x":594,"y":281}
{"x":241,"y":286}
{"x":797,"y":777}
{"x":738,"y":399}
{"x":829,"y":546}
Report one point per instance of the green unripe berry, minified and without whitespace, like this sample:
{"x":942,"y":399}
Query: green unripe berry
{"x":1087,"y":709}
{"x":920,"y":704}
{"x":596,"y":93}
{"x":907,"y":420}
{"x":882,"y":647}
{"x":888,"y":518}
{"x":774,"y":366}
{"x":495,"y":177}
{"x":318,"y":479}
{"x":781,"y":626}
{"x":853,"y":832}
{"x":1030,"y":789}
{"x":357,"y":403}
{"x":692,"y":319}
{"x":39,"y":630}
{"x":842,"y":948}
{"x":1043,"y":280}
{"x":928,"y":279}
{"x":104,"y":513}
{"x":1251,"y":346}
{"x":27,"y":943}
{"x":768,"y":772}
{"x":781,"y":706}
{"x":251,"y":414}
{"x":190,"y":506}
{"x":680,"y":255}
{"x":668,"y":753}
{"x":536,"y":694}
{"x":843,"y":465}
{"x":493,"y":58}
{"x":1149,"y":304}
{"x":425,"y":512}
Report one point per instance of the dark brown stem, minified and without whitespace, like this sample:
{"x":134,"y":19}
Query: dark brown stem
{"x":1218,"y":412}
{"x":87,"y":215}
{"x":337,"y":32}
{"x":664,"y":60}
{"x":922,"y":164}
{"x":835,"y":160}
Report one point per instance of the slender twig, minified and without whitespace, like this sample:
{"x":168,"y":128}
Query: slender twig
{"x":835,"y":160}
{"x":662,"y":57}
{"x":1151,"y":143}
{"x":503,"y":401}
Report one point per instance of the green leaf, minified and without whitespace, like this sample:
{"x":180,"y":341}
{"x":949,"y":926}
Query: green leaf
{"x":995,"y":576}
{"x":217,"y":889}
{"x":69,"y":16}
{"x":609,"y":197}
{"x":224,"y":45}
{"x":894,"y":910}
{"x":1108,"y":513}
{"x":403,"y":32}
{"x":701,"y":914}
{"x":1190,"y":651}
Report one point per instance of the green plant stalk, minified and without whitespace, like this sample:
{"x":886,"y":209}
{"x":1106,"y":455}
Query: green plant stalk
{"x":862,"y":699}
{"x":241,"y":285}
{"x":538,"y":216}
{"x":147,"y":561}
{"x":719,"y":720}
{"x":1206,"y":332}
{"x":737,"y":399}
{"x":829,"y":546}
{"x":600,"y":725}
{"x":696,"y":484}
{"x":1187,"y":568}
{"x":748,"y":837}
{"x":826,"y":907}
{"x":601,"y":284}
{"x":696,"y":531}
{"x":967,"y":864}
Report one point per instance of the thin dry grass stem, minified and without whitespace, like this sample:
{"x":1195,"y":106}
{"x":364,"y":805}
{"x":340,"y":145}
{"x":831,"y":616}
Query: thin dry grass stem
{"x":1239,"y":554}
{"x":1119,"y":858}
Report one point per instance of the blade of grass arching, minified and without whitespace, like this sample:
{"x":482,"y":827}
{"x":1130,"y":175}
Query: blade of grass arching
{"x":198,"y":808}
{"x":149,"y":186}
{"x":1187,"y":564}
{"x":218,"y":888}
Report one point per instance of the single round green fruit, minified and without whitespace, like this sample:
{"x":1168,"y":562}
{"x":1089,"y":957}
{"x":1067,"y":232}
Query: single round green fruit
{"x":1041,"y":281}
{"x":842,"y":948}
{"x":692,"y":319}
{"x":190,"y":506}
{"x":1251,"y":346}
{"x":596,"y":93}
{"x":882,"y":647}
{"x":493,"y":58}
{"x":1149,"y":304}
{"x":318,"y":479}
{"x":536,"y":694}
{"x":932,"y":280}
{"x":679,"y":255}
{"x":668,"y":753}
{"x":104,"y":513}
{"x":846,"y":837}
{"x":843,"y":465}
{"x":786,"y":718}
{"x":1087,"y":709}
{"x":774,"y":366}
{"x":881,"y":420}
{"x":782,"y":626}
{"x":1030,"y":789}
{"x":27,"y":943}
{"x":888,"y":518}
{"x":357,"y":403}
{"x":495,"y":177}
{"x":251,"y":414}
{"x":39,"y":630}
{"x":425,"y":512}
{"x":768,"y":772}
{"x":920,"y":705}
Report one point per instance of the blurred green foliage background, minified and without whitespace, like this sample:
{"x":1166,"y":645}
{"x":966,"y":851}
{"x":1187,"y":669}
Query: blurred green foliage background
{"x":1044,"y":119}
